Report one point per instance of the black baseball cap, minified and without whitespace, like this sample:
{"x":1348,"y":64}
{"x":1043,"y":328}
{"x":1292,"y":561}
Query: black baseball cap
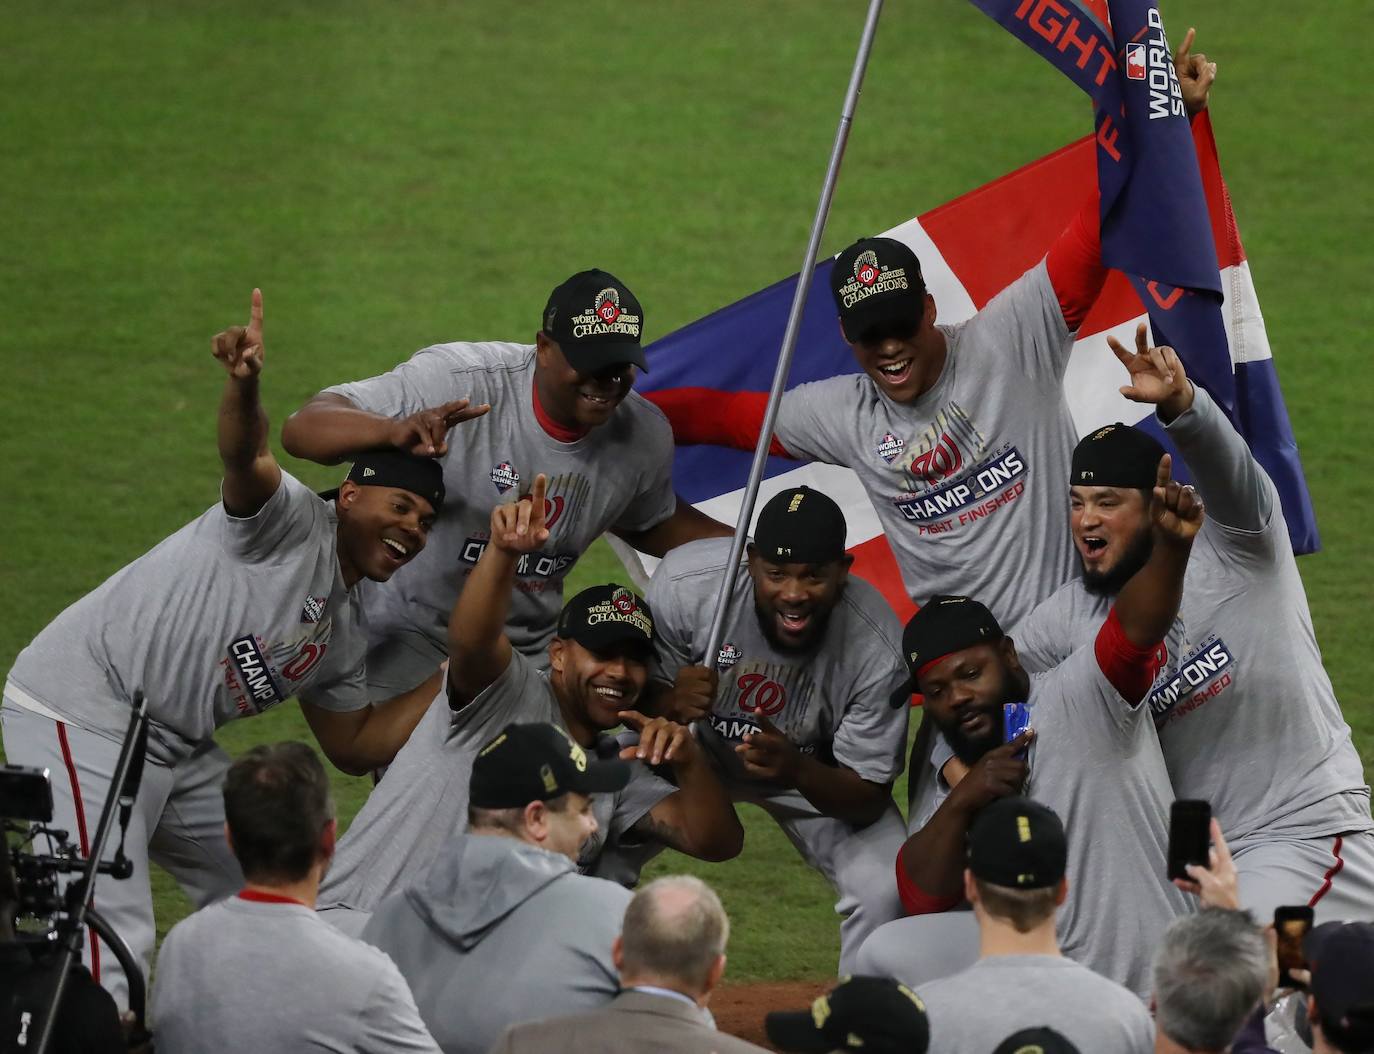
{"x":877,"y":285}
{"x":944,"y":625}
{"x":596,"y":321}
{"x":875,"y":1015}
{"x":1036,"y":1041}
{"x":537,"y":762}
{"x":1017,"y":843}
{"x":422,"y":476}
{"x":800,"y":526}
{"x":1341,"y":955}
{"x":1116,"y":456}
{"x":605,"y":618}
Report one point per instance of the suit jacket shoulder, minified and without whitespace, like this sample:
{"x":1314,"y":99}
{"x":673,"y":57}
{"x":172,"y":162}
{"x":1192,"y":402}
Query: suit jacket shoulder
{"x":630,"y":1023}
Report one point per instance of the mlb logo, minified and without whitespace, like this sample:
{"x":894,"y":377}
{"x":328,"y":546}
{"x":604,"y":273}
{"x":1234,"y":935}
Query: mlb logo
{"x":728,"y":656}
{"x":504,"y":476}
{"x":1135,"y":62}
{"x":313,"y":609}
{"x":889,"y":446}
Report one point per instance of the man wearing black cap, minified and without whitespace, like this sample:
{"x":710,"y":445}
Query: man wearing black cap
{"x":1245,"y":711}
{"x":253,"y":602}
{"x":598,"y":670}
{"x":1340,"y":1002}
{"x":1015,"y":879}
{"x":500,"y":928}
{"x":875,"y":1015}
{"x":1092,"y":756}
{"x":562,"y":405}
{"x":800,"y":722}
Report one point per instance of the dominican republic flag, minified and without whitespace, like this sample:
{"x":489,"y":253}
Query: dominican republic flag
{"x":973,"y":247}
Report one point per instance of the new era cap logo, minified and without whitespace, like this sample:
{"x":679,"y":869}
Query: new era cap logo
{"x":369,"y":472}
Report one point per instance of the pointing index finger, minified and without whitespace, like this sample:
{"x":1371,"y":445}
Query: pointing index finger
{"x":1163,"y":476}
{"x":1181,"y":55}
{"x":255,"y":312}
{"x":633,"y":718}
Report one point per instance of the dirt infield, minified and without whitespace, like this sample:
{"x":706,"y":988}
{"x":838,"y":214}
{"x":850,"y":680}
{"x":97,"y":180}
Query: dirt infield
{"x":739,"y":1008}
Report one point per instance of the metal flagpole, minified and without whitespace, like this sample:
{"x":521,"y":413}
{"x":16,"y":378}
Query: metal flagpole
{"x":789,"y":340}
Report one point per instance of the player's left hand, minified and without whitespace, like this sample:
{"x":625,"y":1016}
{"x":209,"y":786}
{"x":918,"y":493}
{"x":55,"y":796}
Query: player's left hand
{"x":1217,"y":885}
{"x":1175,"y":509}
{"x":660,"y":741}
{"x":239,"y":348}
{"x":1157,"y":375}
{"x":769,"y":755}
{"x":1195,"y":74}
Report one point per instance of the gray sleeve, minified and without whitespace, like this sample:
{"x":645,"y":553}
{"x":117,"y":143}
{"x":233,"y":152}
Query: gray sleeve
{"x":390,"y":1021}
{"x":1043,"y":638}
{"x":645,"y":790}
{"x":506,"y":699}
{"x":1238,"y":494}
{"x":1084,"y":691}
{"x":344,"y":694}
{"x":654,"y":500}
{"x":672,"y":620}
{"x":871,"y":737}
{"x":804,"y":416}
{"x":1025,"y":323}
{"x":425,"y":379}
{"x":287,"y":519}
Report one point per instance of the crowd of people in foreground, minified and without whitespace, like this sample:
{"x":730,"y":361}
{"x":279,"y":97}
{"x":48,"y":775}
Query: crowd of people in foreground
{"x":532,"y":755}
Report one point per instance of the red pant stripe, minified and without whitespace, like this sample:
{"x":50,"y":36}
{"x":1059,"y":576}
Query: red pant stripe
{"x":1331,"y":873}
{"x":80,"y":831}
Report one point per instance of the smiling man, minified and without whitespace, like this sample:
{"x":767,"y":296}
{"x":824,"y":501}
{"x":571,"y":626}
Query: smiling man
{"x":251,"y":603}
{"x":598,"y":667}
{"x":563,"y":404}
{"x":800,"y":721}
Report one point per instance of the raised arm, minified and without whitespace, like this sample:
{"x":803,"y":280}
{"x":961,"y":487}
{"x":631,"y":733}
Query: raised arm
{"x":479,"y":650}
{"x":686,"y":524}
{"x":1238,"y":495}
{"x":1148,"y":603}
{"x":705,"y":415}
{"x":330,"y":429}
{"x":251,"y":473}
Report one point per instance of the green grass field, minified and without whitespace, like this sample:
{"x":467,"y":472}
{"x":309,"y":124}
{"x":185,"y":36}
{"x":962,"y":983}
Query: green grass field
{"x":393,"y":175}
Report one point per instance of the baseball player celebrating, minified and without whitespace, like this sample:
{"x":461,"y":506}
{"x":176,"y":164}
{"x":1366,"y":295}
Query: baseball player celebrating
{"x":1246,"y":713}
{"x":251,"y":603}
{"x":801,"y":721}
{"x":598,"y":664}
{"x":1093,"y":758}
{"x":959,"y":433}
{"x":564,"y":404}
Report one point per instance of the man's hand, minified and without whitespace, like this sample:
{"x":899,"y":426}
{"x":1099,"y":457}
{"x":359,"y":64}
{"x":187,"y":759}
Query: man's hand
{"x":518,"y":527}
{"x":997,"y":774}
{"x":1175,"y":510}
{"x":692,"y":695}
{"x":769,"y":755}
{"x":661,"y":741}
{"x":1195,"y":74}
{"x":426,"y":434}
{"x":239,"y":348}
{"x":1157,"y":376}
{"x":1217,"y":885}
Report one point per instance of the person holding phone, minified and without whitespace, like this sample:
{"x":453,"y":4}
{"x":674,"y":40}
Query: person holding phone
{"x":1246,"y":714}
{"x":1093,"y":758}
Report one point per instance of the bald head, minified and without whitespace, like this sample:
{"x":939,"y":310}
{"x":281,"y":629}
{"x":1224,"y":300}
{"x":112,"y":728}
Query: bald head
{"x":674,"y":936}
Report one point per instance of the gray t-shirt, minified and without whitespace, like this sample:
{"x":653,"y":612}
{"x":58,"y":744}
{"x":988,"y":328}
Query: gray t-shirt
{"x":1248,"y":683}
{"x":1097,"y":763}
{"x":423,"y":800}
{"x":832,"y":701}
{"x":974,"y":1011}
{"x":224,"y":619}
{"x":616,"y":477}
{"x":246,"y":975}
{"x":967,"y":481}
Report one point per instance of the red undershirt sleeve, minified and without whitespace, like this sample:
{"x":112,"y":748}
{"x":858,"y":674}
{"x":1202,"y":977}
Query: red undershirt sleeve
{"x":1129,"y":668}
{"x":916,"y":900}
{"x":1075,"y":263}
{"x":705,"y":415}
